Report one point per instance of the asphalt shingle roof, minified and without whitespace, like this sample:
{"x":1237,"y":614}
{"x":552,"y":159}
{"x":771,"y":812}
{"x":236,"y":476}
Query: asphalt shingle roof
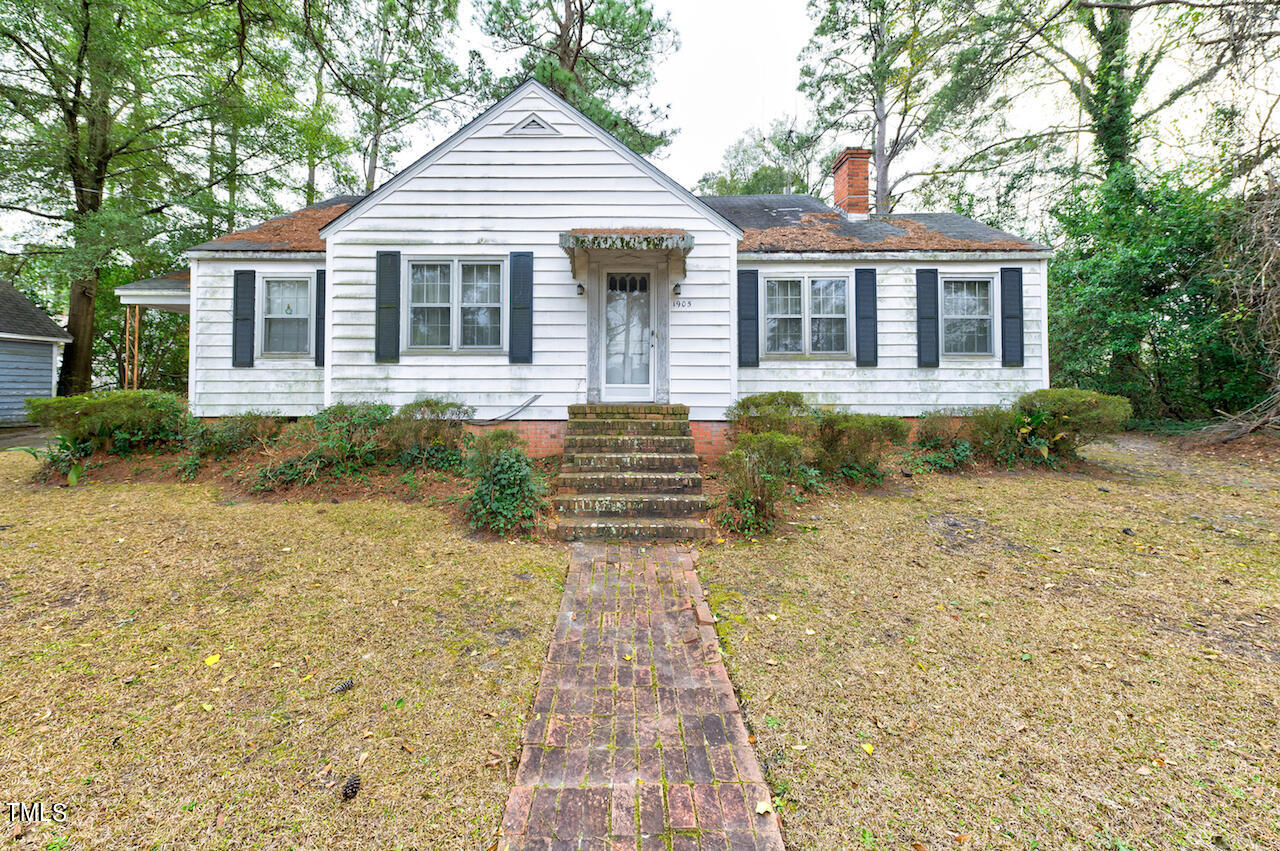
{"x":781,"y":223}
{"x":296,"y":231}
{"x":19,"y":316}
{"x":179,"y":279}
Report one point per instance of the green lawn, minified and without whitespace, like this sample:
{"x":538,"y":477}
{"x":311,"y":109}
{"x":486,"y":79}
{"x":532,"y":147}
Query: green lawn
{"x":1020,"y":660}
{"x":169,"y":657}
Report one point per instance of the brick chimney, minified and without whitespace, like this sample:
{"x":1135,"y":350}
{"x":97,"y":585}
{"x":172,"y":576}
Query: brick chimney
{"x":853,"y":187}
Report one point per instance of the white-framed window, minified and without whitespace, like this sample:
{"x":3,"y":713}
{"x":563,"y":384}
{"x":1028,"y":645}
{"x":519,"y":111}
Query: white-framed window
{"x":968,"y":316}
{"x":455,"y":304}
{"x":286,"y":316}
{"x":806,"y":315}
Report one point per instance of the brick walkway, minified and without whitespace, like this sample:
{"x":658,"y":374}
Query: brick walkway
{"x":636,"y":740}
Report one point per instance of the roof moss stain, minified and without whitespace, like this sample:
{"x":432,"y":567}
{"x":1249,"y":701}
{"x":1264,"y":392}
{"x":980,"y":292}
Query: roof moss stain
{"x":296,"y":231}
{"x":819,"y":232}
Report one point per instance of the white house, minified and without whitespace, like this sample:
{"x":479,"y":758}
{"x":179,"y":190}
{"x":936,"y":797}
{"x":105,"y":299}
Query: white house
{"x":532,"y":261}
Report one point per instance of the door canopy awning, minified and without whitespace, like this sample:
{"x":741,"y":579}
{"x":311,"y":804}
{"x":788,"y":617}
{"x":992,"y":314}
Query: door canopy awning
{"x":579,"y":243}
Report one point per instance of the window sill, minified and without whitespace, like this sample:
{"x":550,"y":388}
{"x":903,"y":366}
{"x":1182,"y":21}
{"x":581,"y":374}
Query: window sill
{"x":970,"y":358}
{"x":285,"y":356}
{"x":423,"y":350}
{"x":836,"y":356}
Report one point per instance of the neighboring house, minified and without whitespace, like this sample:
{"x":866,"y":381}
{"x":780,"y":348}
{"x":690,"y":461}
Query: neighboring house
{"x":30,"y":345}
{"x":532,"y":261}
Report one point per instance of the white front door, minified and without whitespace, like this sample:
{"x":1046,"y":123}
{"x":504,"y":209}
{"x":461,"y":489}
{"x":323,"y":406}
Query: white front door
{"x":628,"y":337}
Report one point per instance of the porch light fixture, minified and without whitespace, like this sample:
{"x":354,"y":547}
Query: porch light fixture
{"x":582,"y":290}
{"x":675,"y":290}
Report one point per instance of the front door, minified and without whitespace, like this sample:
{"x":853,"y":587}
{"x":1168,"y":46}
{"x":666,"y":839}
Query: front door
{"x":628,"y":337}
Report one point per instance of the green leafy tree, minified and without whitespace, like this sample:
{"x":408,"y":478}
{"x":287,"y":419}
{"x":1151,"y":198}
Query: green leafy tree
{"x":1136,"y":307}
{"x":126,"y":119}
{"x":877,"y":70}
{"x":599,"y":55}
{"x":780,"y":160}
{"x":390,"y":61}
{"x":1123,"y":64}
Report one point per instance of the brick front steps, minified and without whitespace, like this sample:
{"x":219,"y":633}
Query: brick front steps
{"x":629,"y":473}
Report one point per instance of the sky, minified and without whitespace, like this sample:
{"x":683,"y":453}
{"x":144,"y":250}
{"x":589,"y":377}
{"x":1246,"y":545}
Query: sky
{"x":737,"y":68}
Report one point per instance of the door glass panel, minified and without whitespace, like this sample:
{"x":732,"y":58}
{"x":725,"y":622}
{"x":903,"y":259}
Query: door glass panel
{"x":626,"y":311}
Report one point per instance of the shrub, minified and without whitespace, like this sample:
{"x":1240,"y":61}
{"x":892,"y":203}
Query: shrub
{"x":783,"y":411}
{"x":756,"y":475}
{"x":118,"y":421}
{"x":509,"y":492}
{"x":937,"y":430}
{"x":230,"y":435}
{"x":484,"y":445}
{"x":949,"y":458}
{"x":1066,"y":419}
{"x":995,"y":434}
{"x":346,"y":440}
{"x":350,"y":434}
{"x":853,"y":444}
{"x":428,"y":432}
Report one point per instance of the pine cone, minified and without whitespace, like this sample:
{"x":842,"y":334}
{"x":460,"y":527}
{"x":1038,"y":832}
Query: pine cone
{"x":351,"y":788}
{"x":345,"y":685}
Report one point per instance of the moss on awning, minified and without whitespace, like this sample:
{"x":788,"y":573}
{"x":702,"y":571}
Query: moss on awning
{"x":627,"y":239}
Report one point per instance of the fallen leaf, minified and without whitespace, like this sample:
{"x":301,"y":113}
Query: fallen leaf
{"x":771,"y":616}
{"x":406,"y":747}
{"x":764,"y":807}
{"x":1144,"y":771}
{"x":869,"y":748}
{"x":207,"y":707}
{"x":212,"y":660}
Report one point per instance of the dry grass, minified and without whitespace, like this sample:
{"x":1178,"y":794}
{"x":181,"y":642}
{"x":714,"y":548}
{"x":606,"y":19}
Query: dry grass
{"x":114,"y":596}
{"x":992,"y":661}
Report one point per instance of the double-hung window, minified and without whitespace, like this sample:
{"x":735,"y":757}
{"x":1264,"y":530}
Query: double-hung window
{"x":455,"y":304}
{"x":968,"y":318}
{"x":806,"y":315}
{"x":286,"y":316}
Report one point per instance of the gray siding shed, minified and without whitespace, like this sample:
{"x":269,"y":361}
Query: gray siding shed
{"x":26,"y":371}
{"x":29,"y":342}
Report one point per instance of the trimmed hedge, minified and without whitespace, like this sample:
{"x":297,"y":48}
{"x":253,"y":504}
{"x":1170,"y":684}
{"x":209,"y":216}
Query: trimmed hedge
{"x":117,"y":421}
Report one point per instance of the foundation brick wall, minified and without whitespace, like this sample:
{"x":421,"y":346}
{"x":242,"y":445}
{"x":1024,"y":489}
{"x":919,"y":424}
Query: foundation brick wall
{"x":544,"y":437}
{"x":710,"y":439}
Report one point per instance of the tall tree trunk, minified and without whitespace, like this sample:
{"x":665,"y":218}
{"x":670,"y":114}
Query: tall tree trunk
{"x":209,"y":216}
{"x":1110,"y":103}
{"x":371,"y":164}
{"x":233,"y":181}
{"x":880,"y":155}
{"x":312,"y":156}
{"x":76,"y":375}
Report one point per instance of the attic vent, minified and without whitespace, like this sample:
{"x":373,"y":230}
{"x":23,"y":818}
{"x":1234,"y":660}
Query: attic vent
{"x":533,"y":125}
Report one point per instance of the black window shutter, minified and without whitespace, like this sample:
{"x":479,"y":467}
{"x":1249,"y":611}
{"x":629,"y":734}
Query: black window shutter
{"x":864,"y":315}
{"x":242,"y":304}
{"x":926,"y":317}
{"x":1011,"y":316}
{"x":520,"y":309}
{"x":319,"y":317}
{"x":386,"y":319}
{"x":748,"y":317}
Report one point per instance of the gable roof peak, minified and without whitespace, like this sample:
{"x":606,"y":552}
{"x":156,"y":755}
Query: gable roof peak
{"x":496,"y":109}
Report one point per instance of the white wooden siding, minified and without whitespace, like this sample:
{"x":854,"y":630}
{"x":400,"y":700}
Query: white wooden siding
{"x":493,"y":193}
{"x":283,"y":385}
{"x":896,"y":385}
